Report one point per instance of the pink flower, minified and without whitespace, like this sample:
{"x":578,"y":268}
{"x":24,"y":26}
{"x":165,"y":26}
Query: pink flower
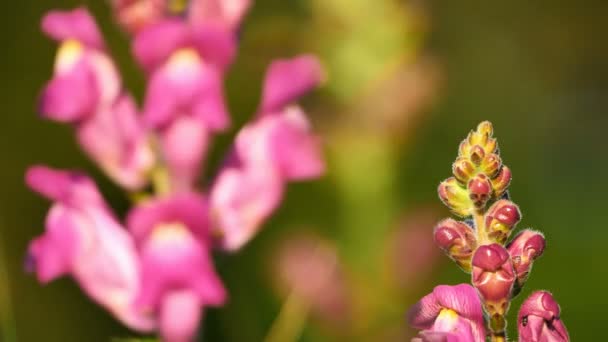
{"x":84,"y":240}
{"x":86,"y":91}
{"x":184,"y":99}
{"x":449,"y":313}
{"x":278,"y":146}
{"x":178,"y":277}
{"x":539,"y":320}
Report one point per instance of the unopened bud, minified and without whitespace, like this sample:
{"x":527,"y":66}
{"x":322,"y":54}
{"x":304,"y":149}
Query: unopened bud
{"x":502,"y":181}
{"x":539,"y":319}
{"x":455,"y":197}
{"x":501,"y":219}
{"x":485,"y":127}
{"x":477,"y":154}
{"x":526,"y":247}
{"x":490,"y":164}
{"x":480,"y":190}
{"x":457,"y":240}
{"x":463,"y":169}
{"x":493,"y":276}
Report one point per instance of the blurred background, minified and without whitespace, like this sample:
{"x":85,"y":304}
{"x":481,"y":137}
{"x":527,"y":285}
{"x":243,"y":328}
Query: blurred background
{"x":346,"y":256}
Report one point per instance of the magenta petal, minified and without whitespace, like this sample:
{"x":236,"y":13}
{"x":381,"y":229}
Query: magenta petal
{"x":210,"y":107}
{"x":436,"y":336}
{"x":295,"y":148}
{"x":217,"y":46}
{"x":115,"y":138}
{"x":241,"y":200}
{"x":52,"y":255}
{"x":174,"y":259}
{"x":77,"y":24}
{"x":287,"y":80}
{"x":462,"y":299}
{"x":154,"y":44}
{"x":184,"y":144}
{"x":70,"y":187}
{"x":191,"y":209}
{"x":219,"y":12}
{"x":180,"y":316}
{"x":70,"y":96}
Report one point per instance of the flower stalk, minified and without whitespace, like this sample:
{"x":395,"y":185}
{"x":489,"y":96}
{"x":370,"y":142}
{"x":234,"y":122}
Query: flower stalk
{"x":478,"y":193}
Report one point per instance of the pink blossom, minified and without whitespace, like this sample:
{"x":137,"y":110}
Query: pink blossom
{"x":86,"y":91}
{"x":83,"y":239}
{"x":449,"y":313}
{"x":276,"y":147}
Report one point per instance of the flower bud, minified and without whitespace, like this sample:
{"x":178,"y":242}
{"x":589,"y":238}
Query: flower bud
{"x":455,"y":197}
{"x":501,"y":219}
{"x":463,"y":169}
{"x":479,"y":142}
{"x":539,"y":319}
{"x":490,"y":164}
{"x":477,"y":154}
{"x":457,"y":240}
{"x":524,"y":249}
{"x":480,"y":190}
{"x":501,"y":182}
{"x":493,"y":276}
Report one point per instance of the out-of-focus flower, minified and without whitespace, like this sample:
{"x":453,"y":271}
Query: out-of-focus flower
{"x":84,"y":240}
{"x":457,"y":240}
{"x":524,"y":249}
{"x":412,"y":251}
{"x":178,"y":277}
{"x":310,"y":269}
{"x":539,"y":320}
{"x":184,"y":99}
{"x":278,"y":146}
{"x":86,"y":91}
{"x":449,"y":313}
{"x":493,"y":276}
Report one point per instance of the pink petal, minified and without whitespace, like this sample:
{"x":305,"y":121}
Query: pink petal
{"x":70,"y":96}
{"x":180,"y":315}
{"x":77,"y":24}
{"x":184,"y":145}
{"x":287,"y":80}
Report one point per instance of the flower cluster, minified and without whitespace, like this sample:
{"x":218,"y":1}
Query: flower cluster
{"x":154,"y":270}
{"x":479,"y":245}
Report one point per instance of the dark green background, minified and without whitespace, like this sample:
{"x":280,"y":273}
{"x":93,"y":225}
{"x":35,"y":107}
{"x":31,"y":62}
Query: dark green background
{"x":537,"y":69}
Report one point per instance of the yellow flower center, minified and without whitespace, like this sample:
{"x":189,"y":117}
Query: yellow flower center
{"x":170,"y":232}
{"x":68,"y":54}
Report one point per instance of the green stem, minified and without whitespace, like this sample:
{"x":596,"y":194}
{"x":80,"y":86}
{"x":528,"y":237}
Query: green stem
{"x":290,"y":322}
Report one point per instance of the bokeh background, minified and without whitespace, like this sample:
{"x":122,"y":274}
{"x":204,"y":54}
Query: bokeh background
{"x":407,"y":81}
